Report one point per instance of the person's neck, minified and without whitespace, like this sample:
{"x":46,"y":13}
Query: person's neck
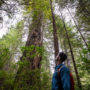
{"x":59,"y":63}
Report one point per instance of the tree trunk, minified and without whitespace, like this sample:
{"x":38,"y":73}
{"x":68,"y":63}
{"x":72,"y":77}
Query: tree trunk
{"x":56,"y":47}
{"x":78,"y":28}
{"x":34,"y":41}
{"x":65,"y":48}
{"x":72,"y":55}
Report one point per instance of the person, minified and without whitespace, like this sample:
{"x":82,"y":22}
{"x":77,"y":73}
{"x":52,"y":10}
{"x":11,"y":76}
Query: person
{"x":61,"y":76}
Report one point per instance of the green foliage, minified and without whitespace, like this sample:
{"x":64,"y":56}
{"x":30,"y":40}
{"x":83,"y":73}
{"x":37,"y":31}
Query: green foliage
{"x":85,"y":58}
{"x":31,"y":79}
{"x":46,"y":81}
{"x":6,"y":80}
{"x":4,"y":56}
{"x":36,"y":79}
{"x":12,"y":38}
{"x":8,"y":46}
{"x":38,"y":7}
{"x":74,"y":39}
{"x":32,"y":51}
{"x":1,"y":3}
{"x":83,"y":66}
{"x":40,"y":79}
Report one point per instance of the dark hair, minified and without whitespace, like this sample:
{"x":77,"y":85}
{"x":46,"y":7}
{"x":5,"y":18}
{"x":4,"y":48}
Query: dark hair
{"x":63,"y":56}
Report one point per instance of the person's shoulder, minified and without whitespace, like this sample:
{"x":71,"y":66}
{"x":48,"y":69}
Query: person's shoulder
{"x":64,"y":68}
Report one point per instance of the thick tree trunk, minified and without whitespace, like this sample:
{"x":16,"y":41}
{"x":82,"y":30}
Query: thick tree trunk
{"x":56,"y":47}
{"x":78,"y":28}
{"x":72,"y":55}
{"x":35,"y":38}
{"x":35,"y":41}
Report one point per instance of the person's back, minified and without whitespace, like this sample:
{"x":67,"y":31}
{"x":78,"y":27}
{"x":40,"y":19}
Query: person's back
{"x":61,"y":76}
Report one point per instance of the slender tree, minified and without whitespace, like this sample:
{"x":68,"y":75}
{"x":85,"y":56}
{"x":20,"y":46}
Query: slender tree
{"x":56,"y":47}
{"x":77,"y":27}
{"x":72,"y":55}
{"x":65,"y":49}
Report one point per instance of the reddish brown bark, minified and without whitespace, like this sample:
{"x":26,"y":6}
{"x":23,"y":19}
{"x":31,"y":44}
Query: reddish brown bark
{"x":35,"y":39}
{"x":56,"y":47}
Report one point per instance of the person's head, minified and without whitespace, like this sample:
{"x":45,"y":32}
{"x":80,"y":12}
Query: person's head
{"x":60,"y":58}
